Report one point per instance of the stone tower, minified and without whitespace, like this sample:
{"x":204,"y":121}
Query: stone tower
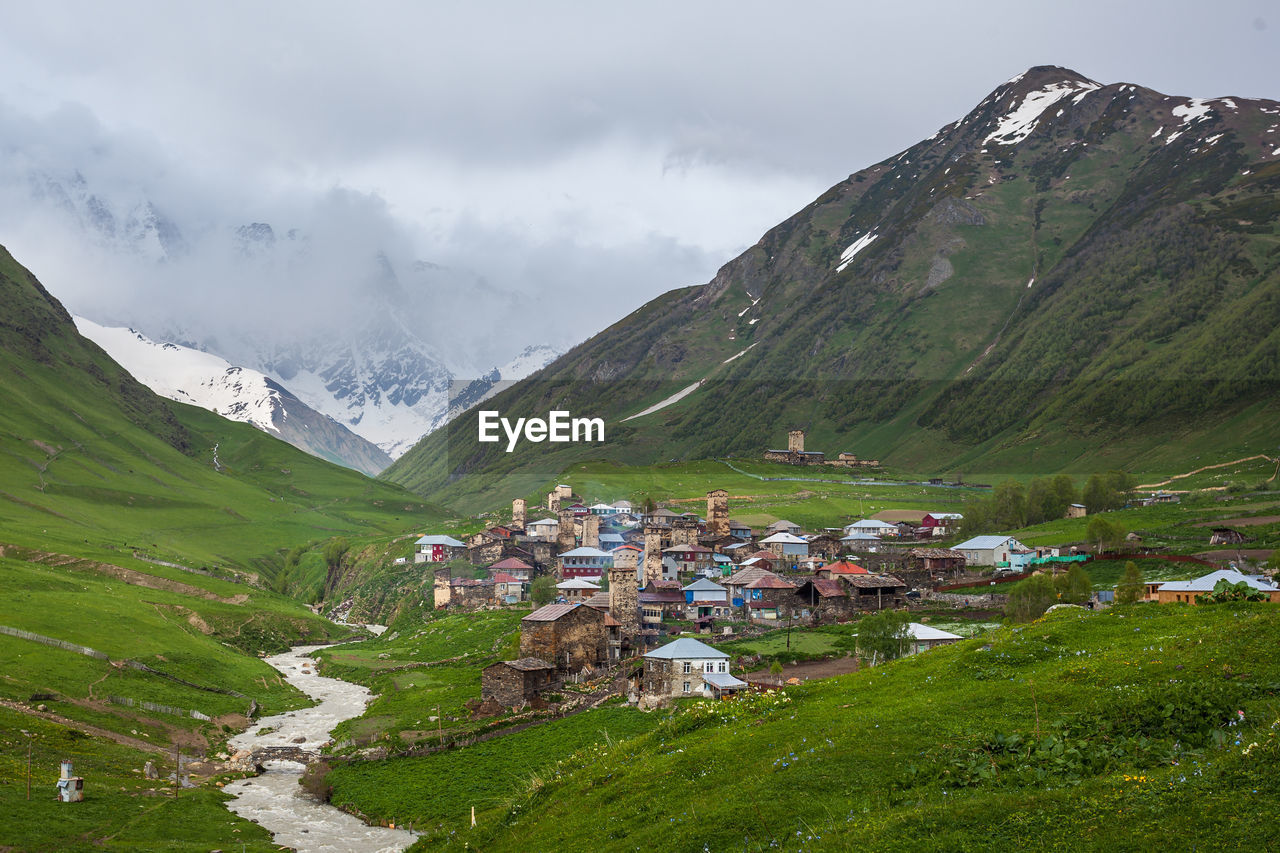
{"x":652,"y":552}
{"x":795,"y":441}
{"x":553,"y":502}
{"x":624,"y":598}
{"x":591,"y":531}
{"x":517,"y":513}
{"x":566,"y":536}
{"x":684,"y":531}
{"x":718,"y":512}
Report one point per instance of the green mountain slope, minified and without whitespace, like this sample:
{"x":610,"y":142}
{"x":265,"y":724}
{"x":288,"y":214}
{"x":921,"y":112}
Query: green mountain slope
{"x":100,"y":479}
{"x":1070,"y":276}
{"x":95,"y":464}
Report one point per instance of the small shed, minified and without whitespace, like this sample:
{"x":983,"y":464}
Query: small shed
{"x":514,"y":682}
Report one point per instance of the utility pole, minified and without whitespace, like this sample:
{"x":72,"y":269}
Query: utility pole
{"x":30,"y":741}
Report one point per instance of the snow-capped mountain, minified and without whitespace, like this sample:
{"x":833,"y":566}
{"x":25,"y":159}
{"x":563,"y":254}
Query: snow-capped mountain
{"x":237,"y":393}
{"x":335,"y":310}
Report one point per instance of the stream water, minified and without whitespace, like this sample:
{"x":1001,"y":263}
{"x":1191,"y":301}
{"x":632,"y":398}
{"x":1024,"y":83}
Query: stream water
{"x":275,"y":800}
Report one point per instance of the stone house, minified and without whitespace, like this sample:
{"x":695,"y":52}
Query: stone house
{"x":569,"y":636}
{"x":514,"y":567}
{"x":689,"y":559}
{"x":543,"y":528}
{"x":788,"y":548}
{"x":659,"y":600}
{"x":770,"y":597}
{"x":509,"y":589}
{"x":687,"y":667}
{"x":515,"y":682}
{"x":471,"y":594}
{"x":875,"y":592}
{"x":782,"y":526}
{"x":825,"y":599}
{"x":936,"y":561}
{"x":585,"y":562}
{"x":739,"y":530}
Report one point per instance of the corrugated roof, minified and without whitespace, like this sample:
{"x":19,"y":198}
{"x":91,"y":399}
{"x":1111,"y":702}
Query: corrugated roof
{"x":552,"y":612}
{"x":723,"y":680}
{"x":844,"y":567}
{"x":704,"y":585}
{"x":872,"y":581}
{"x":686,"y":648}
{"x":512,"y":563}
{"x":924,"y":632}
{"x":981,"y":543}
{"x":828,"y":588}
{"x":439,"y":539}
{"x":1206,"y":583}
{"x":585,"y":551}
{"x":784,"y":538}
{"x":527,"y":664}
{"x":770,"y":581}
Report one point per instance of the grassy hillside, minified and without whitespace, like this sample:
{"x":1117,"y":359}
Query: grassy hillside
{"x":1093,"y":731}
{"x":108,"y":656}
{"x":1102,"y":294}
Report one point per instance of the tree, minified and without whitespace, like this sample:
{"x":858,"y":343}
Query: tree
{"x":1074,"y":587}
{"x":1010,"y":505}
{"x":1131,"y":587}
{"x":884,"y":635}
{"x":543,"y":590}
{"x":1225,"y":591}
{"x":1030,"y":598}
{"x":1104,"y":531}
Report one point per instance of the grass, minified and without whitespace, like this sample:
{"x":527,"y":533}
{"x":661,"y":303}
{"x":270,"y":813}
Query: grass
{"x":435,"y":793}
{"x":408,"y":692}
{"x":121,"y":811}
{"x":884,"y":758}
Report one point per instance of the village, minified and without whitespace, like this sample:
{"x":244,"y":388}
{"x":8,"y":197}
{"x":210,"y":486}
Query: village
{"x":623,"y":583}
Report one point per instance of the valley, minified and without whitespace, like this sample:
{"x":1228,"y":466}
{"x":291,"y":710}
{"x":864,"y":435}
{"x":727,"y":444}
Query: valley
{"x":1011,"y":582}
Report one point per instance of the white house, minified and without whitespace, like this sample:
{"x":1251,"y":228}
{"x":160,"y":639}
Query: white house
{"x":787,"y":546}
{"x":872,"y":526}
{"x":543,"y":528}
{"x":924,"y":638}
{"x":688,"y":667}
{"x":707,"y":598}
{"x":437,"y":549}
{"x":989,"y":550}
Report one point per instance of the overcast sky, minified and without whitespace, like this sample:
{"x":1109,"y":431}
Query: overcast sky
{"x":566,"y":149}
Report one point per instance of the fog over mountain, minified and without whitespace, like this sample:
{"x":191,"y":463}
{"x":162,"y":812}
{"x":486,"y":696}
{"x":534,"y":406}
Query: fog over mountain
{"x":474,"y":180}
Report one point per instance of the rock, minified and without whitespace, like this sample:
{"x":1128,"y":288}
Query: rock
{"x":300,"y":739}
{"x":149,"y":770}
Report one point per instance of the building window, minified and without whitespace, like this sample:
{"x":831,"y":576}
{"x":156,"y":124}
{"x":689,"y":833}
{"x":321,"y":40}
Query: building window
{"x":723,"y":666}
{"x":688,"y":667}
{"x":686,"y":687}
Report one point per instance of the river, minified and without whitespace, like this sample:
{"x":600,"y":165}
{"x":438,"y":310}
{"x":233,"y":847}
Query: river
{"x":275,"y":800}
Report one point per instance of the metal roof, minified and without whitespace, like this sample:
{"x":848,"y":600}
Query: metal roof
{"x":440,"y":539}
{"x":686,"y":648}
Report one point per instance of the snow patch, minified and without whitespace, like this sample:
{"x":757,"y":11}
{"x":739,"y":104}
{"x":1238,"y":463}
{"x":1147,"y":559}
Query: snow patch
{"x":190,"y":376}
{"x":1031,"y":282}
{"x":1017,"y":125}
{"x":741,"y":354}
{"x":749,"y":307}
{"x":854,"y":248}
{"x":674,"y":398}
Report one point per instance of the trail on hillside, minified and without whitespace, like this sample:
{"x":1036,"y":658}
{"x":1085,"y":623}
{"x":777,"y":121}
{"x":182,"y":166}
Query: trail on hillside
{"x":123,"y":740}
{"x":1210,"y":468}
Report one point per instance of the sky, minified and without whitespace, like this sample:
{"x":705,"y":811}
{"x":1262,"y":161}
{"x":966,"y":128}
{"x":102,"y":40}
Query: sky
{"x":572,"y":160}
